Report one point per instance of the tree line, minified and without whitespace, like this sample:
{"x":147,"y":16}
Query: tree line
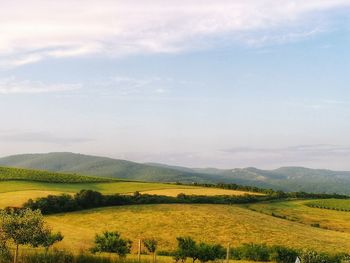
{"x":86,"y":199}
{"x":270,"y":192}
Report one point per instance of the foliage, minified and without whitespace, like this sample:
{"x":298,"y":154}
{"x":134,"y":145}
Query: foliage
{"x":282,"y":254}
{"x":111,"y":242}
{"x":311,"y":256}
{"x":90,"y":199}
{"x":5,"y":254}
{"x":254,"y":252}
{"x":208,"y":252}
{"x":187,"y":248}
{"x":26,"y":227}
{"x":9,"y":174}
{"x":150,"y":244}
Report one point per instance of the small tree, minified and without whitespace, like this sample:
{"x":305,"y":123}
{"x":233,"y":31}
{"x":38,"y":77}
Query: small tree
{"x":24,"y":227}
{"x":151,"y":246}
{"x":187,"y":248}
{"x":111,"y":242}
{"x":48,"y":239}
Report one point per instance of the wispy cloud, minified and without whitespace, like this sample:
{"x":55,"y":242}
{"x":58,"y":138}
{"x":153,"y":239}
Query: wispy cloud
{"x":292,"y":154}
{"x":14,"y":86}
{"x":42,"y":137}
{"x":121,"y":27}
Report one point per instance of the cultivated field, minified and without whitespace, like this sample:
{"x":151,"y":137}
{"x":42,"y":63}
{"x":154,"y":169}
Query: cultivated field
{"x":335,"y":204}
{"x":298,"y":211}
{"x":211,"y":223}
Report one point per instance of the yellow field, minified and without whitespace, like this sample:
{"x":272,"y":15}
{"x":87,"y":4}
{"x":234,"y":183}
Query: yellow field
{"x":211,"y":223}
{"x":299,"y":212}
{"x":197,"y":191}
{"x":18,"y":198}
{"x":105,"y":188}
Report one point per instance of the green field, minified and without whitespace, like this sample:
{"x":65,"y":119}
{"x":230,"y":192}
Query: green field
{"x":300,"y":212}
{"x":211,"y":223}
{"x":333,"y":204}
{"x":19,"y":174}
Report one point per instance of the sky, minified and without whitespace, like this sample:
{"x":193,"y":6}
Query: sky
{"x":199,"y":83}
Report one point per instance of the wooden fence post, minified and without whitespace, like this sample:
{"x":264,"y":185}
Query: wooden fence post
{"x":228,"y":253}
{"x":139,"y":252}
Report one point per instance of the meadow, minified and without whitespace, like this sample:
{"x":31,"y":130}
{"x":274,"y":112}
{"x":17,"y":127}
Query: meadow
{"x":290,"y":223}
{"x":210,"y":223}
{"x":300,"y":212}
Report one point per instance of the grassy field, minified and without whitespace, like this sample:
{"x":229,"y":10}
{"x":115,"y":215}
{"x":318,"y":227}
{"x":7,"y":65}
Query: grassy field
{"x":335,"y":204}
{"x":299,"y":212}
{"x":106,"y":188}
{"x":18,"y":198}
{"x":211,"y":223}
{"x":197,"y":191}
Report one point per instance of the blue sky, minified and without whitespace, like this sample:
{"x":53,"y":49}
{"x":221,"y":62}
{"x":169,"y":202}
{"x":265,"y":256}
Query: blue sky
{"x":196,"y":83}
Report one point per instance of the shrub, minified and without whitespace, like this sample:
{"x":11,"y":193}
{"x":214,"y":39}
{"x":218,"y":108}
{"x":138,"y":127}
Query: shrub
{"x":206,"y":252}
{"x":282,"y":254}
{"x":255,"y":252}
{"x":311,"y":256}
{"x":111,"y":242}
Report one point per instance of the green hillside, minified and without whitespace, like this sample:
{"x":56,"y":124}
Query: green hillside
{"x":99,"y":166}
{"x":286,"y":178}
{"x":18,"y":174}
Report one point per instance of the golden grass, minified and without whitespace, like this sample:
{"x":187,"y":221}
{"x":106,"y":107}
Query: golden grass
{"x":105,"y":188}
{"x":210,"y":223}
{"x":198,"y":191}
{"x":299,"y":212}
{"x":20,"y":197}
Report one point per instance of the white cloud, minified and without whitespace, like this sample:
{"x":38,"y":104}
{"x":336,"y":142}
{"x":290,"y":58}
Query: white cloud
{"x":15,"y":86}
{"x":38,"y":29}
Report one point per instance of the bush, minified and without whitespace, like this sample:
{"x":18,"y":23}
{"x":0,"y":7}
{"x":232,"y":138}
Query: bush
{"x":311,"y":256}
{"x":254,"y":252}
{"x":208,"y":252}
{"x":282,"y":254}
{"x":111,"y":242}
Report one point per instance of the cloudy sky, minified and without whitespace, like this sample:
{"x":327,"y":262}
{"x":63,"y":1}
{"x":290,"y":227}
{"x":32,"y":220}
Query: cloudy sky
{"x":224,"y":83}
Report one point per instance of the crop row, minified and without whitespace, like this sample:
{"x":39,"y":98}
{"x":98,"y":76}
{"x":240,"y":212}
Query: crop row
{"x":7,"y":174}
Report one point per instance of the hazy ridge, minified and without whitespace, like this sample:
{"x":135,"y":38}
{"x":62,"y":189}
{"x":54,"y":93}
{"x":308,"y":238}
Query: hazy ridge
{"x":285,"y":178}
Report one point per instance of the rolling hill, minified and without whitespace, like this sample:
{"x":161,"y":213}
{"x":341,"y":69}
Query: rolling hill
{"x":285,"y":178}
{"x":99,"y":166}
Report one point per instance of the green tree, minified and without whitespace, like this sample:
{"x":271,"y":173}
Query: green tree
{"x":48,"y":239}
{"x":187,"y":248}
{"x":151,"y":245}
{"x":24,"y":227}
{"x":111,"y":242}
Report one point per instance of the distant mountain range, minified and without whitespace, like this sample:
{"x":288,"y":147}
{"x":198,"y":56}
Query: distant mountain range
{"x":285,"y":178}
